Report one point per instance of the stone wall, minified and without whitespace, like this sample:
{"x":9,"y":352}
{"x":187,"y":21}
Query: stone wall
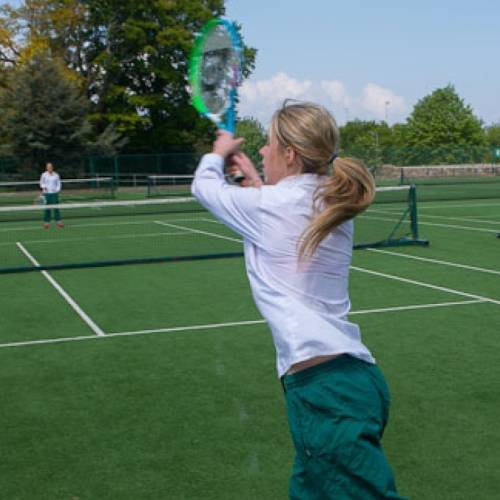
{"x":472,"y":170}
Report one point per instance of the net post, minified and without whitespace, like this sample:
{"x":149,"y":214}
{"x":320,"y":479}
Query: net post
{"x":92,"y":172}
{"x":113,"y":186}
{"x":116,"y":168}
{"x":412,"y":201}
{"x":149,"y":187}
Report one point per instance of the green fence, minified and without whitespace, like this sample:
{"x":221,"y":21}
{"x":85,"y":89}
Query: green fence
{"x":443,"y":155}
{"x":122,"y":166}
{"x":9,"y":167}
{"x":143,"y":164}
{"x":126,"y":166}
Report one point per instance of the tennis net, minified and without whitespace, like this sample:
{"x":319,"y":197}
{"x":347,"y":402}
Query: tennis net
{"x":391,"y":220}
{"x":22,"y":192}
{"x":169,"y":185}
{"x":111,"y":233}
{"x":465,"y":183}
{"x":115,"y":233}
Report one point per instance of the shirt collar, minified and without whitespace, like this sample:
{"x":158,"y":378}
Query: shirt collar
{"x":300,"y":179}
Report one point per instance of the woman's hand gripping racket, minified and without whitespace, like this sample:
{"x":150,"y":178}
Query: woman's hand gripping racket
{"x":237,"y":162}
{"x":215,"y":72}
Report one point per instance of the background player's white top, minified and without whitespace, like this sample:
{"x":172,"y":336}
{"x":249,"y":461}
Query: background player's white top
{"x":306,"y":304}
{"x":50,"y":183}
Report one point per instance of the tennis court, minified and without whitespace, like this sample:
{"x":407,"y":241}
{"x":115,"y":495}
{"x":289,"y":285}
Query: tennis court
{"x":157,"y":380}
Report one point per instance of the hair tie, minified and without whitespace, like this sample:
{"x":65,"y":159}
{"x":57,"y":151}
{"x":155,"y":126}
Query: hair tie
{"x":333,"y":158}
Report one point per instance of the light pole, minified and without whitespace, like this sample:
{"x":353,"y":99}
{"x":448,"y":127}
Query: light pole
{"x":387,"y":104}
{"x":377,"y":159}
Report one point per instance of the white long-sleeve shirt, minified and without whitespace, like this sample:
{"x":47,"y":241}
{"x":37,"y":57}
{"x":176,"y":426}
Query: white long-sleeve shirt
{"x":50,"y":183}
{"x":305,"y":304}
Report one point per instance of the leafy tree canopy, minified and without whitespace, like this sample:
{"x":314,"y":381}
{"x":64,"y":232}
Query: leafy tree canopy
{"x":129,"y":57}
{"x":443,"y":118}
{"x":44,"y":117}
{"x":493,"y":134}
{"x":255,"y":138}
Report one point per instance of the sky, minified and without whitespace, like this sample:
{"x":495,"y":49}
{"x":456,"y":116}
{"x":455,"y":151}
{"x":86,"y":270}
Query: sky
{"x":370,"y":60}
{"x":366,"y":59}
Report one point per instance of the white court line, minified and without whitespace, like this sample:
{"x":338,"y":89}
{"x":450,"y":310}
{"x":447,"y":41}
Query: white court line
{"x":213,"y":221}
{"x":426,"y":285}
{"x":230,"y":324}
{"x":417,"y":306}
{"x":436,"y":261}
{"x":64,"y":294}
{"x":98,"y":224}
{"x":490,"y":217}
{"x":100,"y":238}
{"x":422,"y":205}
{"x":448,"y":226}
{"x":465,"y":218}
{"x":198,"y":231}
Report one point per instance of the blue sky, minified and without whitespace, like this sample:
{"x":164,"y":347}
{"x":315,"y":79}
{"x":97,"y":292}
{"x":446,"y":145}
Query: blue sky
{"x":368,"y":60}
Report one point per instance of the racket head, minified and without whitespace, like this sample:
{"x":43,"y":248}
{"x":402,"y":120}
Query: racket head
{"x":215,"y":72}
{"x":40,"y":200}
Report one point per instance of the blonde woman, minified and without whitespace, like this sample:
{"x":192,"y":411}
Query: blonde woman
{"x":298,"y":235}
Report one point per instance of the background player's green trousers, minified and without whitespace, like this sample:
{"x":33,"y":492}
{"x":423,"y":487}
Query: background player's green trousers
{"x":51,"y":199}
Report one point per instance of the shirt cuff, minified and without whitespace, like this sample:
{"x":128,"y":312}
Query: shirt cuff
{"x":214,"y":159}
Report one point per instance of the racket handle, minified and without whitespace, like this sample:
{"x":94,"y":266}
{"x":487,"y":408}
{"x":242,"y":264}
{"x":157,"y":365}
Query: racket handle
{"x":229,"y":123}
{"x":230,"y":118}
{"x":237,"y":177}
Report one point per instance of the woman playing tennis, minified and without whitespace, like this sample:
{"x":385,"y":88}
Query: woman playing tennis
{"x":298,"y":236}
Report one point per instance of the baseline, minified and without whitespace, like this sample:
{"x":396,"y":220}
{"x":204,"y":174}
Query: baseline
{"x":436,"y":261}
{"x":426,"y":285}
{"x":229,"y":324}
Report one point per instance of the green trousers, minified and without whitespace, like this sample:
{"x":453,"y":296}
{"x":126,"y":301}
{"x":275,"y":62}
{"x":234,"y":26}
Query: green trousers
{"x":337,"y":412}
{"x":51,"y":199}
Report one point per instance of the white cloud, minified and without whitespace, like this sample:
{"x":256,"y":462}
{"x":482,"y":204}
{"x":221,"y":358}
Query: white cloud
{"x":376,"y":100}
{"x":262,"y":97}
{"x":336,"y":91}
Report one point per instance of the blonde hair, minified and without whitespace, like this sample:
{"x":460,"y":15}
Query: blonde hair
{"x":310,"y":130}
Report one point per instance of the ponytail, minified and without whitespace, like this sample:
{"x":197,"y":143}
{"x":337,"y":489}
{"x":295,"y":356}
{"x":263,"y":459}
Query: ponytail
{"x":347,"y":192}
{"x":310,"y":130}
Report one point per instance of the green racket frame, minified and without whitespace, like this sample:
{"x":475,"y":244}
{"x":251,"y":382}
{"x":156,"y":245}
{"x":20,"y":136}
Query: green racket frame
{"x":227,"y":119}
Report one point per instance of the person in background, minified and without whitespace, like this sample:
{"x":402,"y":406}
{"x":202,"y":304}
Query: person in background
{"x":50,"y":184}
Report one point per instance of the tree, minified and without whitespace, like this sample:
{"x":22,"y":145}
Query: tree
{"x":9,"y":46}
{"x":255,"y":138}
{"x":442,"y":129}
{"x":493,"y":134}
{"x":137,"y":68}
{"x":129,"y":56}
{"x":44,"y":116}
{"x":366,"y":140}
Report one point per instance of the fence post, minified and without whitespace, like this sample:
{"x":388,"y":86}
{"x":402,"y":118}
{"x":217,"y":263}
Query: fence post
{"x":116,"y":168}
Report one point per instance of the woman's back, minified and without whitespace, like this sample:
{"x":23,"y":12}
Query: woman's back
{"x":286,"y":210}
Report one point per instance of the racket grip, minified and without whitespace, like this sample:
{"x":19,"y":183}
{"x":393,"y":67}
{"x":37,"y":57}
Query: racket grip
{"x":230,"y":116}
{"x":229,"y":122}
{"x":237,"y":177}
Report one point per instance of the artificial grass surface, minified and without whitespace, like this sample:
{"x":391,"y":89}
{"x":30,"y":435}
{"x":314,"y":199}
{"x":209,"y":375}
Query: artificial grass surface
{"x":200,"y":414}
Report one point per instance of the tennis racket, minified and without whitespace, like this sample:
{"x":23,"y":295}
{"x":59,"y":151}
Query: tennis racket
{"x":40,"y":200}
{"x":215,"y":72}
